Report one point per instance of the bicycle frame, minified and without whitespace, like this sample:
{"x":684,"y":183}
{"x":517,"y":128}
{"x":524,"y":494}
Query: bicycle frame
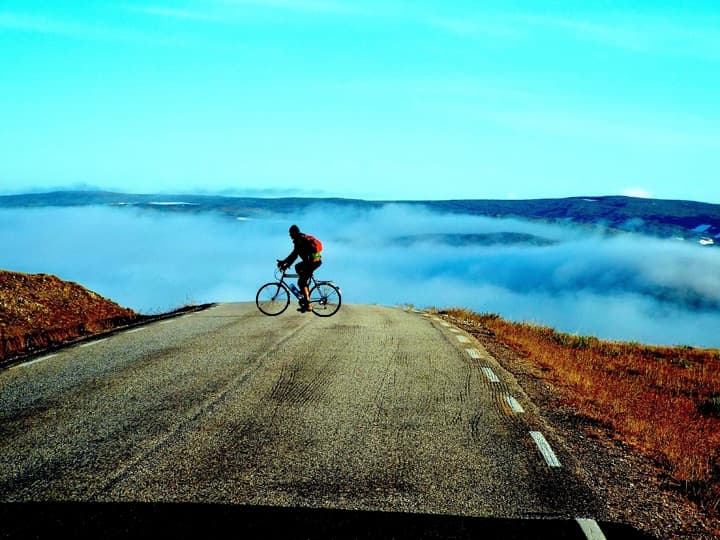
{"x":312,"y":282}
{"x":273,"y":298}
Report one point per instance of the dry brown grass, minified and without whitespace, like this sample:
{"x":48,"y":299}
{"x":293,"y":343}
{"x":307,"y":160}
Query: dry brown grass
{"x":40,"y":310}
{"x":662,"y":401}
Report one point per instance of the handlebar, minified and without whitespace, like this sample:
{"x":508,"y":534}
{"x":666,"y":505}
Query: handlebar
{"x":281,"y":273}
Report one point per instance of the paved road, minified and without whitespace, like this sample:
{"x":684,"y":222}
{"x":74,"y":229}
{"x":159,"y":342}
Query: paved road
{"x":377,"y":420}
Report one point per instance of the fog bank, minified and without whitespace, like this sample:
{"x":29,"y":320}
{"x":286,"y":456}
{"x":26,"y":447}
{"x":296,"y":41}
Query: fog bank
{"x":577,"y":280}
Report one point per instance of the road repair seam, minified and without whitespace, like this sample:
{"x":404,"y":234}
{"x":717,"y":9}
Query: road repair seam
{"x":513,"y":403}
{"x":540,"y":441}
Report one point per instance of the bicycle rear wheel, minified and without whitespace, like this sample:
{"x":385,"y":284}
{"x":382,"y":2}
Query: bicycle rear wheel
{"x":272,"y":298}
{"x":325,"y":299}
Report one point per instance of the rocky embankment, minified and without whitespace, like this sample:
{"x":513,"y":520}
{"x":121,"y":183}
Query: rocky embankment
{"x":39,"y":311}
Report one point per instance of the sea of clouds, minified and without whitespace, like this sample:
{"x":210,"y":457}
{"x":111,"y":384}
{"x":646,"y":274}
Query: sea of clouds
{"x":628,"y":287}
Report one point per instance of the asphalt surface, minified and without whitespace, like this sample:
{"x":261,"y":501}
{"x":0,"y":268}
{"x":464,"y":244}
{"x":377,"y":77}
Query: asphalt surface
{"x":377,"y":422}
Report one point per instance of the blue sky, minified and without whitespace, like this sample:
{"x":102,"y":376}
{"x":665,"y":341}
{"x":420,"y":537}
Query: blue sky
{"x":370,"y":99}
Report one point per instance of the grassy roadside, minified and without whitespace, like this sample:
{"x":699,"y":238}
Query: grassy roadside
{"x":662,"y":401}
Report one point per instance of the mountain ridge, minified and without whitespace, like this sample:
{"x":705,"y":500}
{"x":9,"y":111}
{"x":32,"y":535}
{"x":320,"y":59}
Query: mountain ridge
{"x":680,"y":219}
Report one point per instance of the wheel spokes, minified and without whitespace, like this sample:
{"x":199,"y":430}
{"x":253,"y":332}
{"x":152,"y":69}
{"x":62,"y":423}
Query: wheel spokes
{"x":272,"y":298}
{"x":325,"y":299}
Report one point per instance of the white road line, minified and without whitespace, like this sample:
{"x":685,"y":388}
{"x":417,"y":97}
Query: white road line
{"x":25,"y":364}
{"x":545,"y":449}
{"x":591,"y":529}
{"x":455,"y":330}
{"x":462,"y":339}
{"x":90,"y":343}
{"x":473,"y":353}
{"x":445,"y":324}
{"x":514,"y":405}
{"x":490,"y":374}
{"x":134,"y":330}
{"x":168,"y":322}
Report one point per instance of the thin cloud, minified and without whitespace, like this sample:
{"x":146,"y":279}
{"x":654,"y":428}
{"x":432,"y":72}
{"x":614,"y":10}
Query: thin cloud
{"x":633,"y":32}
{"x":638,"y":192}
{"x":609,"y":125}
{"x":175,"y":13}
{"x":43,"y":24}
{"x":314,"y":6}
{"x":237,"y":11}
{"x":615,"y":35}
{"x":643,"y":34}
{"x":472,"y":28}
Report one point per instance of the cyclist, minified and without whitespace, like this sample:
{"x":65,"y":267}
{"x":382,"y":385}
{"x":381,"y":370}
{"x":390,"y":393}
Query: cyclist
{"x":309,"y":249}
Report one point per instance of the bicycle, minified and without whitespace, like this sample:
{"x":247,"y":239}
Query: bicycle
{"x":273,"y":298}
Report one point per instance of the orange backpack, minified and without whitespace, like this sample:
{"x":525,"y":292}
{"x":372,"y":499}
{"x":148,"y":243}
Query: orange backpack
{"x":317,"y":244}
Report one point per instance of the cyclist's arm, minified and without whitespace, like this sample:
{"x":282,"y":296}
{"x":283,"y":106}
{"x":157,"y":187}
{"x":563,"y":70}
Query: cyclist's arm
{"x":287,"y":261}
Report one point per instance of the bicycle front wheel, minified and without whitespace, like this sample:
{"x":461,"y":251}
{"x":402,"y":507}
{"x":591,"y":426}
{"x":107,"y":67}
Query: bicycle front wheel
{"x":325,"y":299}
{"x":272,"y":298}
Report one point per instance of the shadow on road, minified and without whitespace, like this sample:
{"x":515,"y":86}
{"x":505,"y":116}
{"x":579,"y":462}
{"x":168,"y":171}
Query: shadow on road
{"x":166,"y":520}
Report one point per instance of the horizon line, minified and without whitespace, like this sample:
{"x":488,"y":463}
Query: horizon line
{"x":281,"y":194}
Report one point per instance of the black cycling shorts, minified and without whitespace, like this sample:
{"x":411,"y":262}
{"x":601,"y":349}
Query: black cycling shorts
{"x":304,"y":270}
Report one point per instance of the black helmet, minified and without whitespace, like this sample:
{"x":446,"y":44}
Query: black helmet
{"x":294,"y":231}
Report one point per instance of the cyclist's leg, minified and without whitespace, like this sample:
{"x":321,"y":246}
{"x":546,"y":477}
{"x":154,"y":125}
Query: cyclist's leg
{"x":299,"y":270}
{"x":312,"y":266}
{"x":304,"y":271}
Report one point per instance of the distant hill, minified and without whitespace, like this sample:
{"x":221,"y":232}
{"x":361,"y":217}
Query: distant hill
{"x":688,"y":220}
{"x":486,"y":239}
{"x":38,"y":311}
{"x":656,"y":217}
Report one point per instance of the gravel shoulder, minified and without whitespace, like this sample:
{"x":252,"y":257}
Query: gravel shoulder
{"x":635,"y":490}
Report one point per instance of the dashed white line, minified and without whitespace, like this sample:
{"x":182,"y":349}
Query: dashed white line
{"x":462,"y":339}
{"x":445,"y":324}
{"x":490,"y":374}
{"x":545,"y":449}
{"x":591,"y":529}
{"x":473,"y":353}
{"x":514,"y":405}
